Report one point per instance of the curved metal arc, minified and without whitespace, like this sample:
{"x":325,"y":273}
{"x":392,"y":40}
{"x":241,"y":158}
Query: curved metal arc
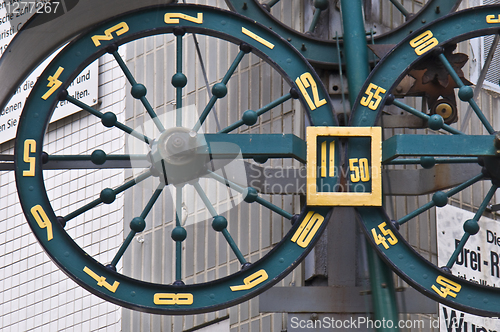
{"x":322,"y":52}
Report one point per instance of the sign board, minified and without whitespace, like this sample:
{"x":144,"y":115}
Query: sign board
{"x":479,"y":262}
{"x":13,"y":14}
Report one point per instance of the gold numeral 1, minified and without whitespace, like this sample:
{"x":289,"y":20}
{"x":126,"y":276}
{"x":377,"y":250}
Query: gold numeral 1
{"x":101,"y":281}
{"x":42,"y":220}
{"x":29,"y":147}
{"x":307,"y":229}
{"x":119,"y":29}
{"x":424,"y":42}
{"x":172,"y":299}
{"x":304,"y":81}
{"x":251,"y":281}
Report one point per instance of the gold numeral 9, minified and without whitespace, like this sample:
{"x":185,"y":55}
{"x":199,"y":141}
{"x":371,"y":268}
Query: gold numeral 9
{"x":251,"y":281}
{"x":42,"y":220}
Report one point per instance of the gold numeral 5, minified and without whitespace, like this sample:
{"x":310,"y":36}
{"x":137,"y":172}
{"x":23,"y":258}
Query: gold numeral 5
{"x":29,"y":147}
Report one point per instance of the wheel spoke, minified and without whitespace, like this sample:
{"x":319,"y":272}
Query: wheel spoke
{"x":421,"y":161}
{"x":219,"y":90}
{"x":440,"y":199}
{"x":138,"y":91}
{"x":424,"y":116}
{"x":251,"y":195}
{"x":480,"y":80}
{"x":465,"y":93}
{"x":178,"y":230}
{"x":438,"y":145}
{"x":179,"y":81}
{"x":250,"y":117}
{"x":470,"y":226}
{"x":217,"y":219}
{"x":108,"y":119}
{"x":136,"y":224}
{"x":256,"y":145}
{"x":107,"y":196}
{"x":401,"y":8}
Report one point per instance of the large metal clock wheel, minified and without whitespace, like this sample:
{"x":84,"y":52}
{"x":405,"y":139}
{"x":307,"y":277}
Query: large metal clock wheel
{"x":430,"y":58}
{"x":179,"y":155}
{"x":323,"y":52}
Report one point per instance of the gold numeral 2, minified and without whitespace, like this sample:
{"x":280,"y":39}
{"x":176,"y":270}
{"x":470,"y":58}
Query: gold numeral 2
{"x":101,"y":281}
{"x":173,"y":18}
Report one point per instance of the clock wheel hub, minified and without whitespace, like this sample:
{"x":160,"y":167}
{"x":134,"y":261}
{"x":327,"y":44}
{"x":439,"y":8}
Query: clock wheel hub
{"x":180,"y":155}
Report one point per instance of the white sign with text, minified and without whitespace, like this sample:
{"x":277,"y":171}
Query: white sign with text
{"x":479,"y":262}
{"x":13,"y":14}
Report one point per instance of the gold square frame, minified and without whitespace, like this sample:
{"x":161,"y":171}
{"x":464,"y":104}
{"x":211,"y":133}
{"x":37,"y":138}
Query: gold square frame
{"x":315,"y":198}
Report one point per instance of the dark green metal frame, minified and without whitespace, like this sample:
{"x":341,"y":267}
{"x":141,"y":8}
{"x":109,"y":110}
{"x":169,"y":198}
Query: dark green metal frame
{"x":131,"y":293}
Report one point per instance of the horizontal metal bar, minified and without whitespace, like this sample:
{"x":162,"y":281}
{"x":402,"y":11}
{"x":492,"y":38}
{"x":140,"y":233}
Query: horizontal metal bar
{"x":258,"y":145}
{"x":438,"y":145}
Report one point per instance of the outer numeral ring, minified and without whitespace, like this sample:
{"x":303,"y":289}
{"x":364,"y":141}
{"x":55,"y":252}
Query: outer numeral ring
{"x":91,"y":274}
{"x":433,"y":281}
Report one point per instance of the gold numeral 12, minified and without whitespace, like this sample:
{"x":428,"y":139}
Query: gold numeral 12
{"x":304,"y":81}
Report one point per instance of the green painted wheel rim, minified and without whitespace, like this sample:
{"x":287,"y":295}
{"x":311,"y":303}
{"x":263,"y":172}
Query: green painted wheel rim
{"x":323,"y":52}
{"x":79,"y":266}
{"x":404,"y":260}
